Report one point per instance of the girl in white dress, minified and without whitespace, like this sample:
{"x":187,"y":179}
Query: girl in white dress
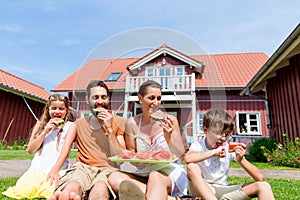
{"x":46,"y":141}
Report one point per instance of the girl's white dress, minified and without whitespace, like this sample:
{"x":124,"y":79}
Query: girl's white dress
{"x":32,"y":184}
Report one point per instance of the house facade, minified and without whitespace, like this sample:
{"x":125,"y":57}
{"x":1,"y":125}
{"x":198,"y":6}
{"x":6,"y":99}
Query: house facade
{"x":279,"y":77}
{"x":191,"y":84}
{"x":21,"y":104}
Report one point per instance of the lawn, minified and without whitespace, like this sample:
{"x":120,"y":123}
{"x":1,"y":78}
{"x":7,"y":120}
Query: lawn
{"x":24,"y":155}
{"x":284,"y":189}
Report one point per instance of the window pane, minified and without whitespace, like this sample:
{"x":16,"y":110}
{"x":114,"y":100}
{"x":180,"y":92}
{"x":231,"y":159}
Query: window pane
{"x":252,"y":116}
{"x":200,"y":122}
{"x":168,"y":71}
{"x":114,"y":76}
{"x":243,"y":123}
{"x":150,"y":71}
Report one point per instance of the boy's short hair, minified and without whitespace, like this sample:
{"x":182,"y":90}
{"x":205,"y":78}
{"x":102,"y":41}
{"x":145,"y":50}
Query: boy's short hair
{"x":218,"y":118}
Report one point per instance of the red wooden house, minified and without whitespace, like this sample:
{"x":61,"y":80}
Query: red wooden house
{"x":191,"y":85}
{"x":279,"y":78}
{"x":20,"y":102}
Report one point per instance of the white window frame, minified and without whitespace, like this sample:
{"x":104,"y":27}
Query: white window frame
{"x":120,"y":113}
{"x":200,"y":116}
{"x":247,"y":126}
{"x":85,"y":113}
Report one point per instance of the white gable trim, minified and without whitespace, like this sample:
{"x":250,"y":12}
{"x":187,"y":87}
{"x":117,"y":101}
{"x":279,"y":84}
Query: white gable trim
{"x":165,"y":51}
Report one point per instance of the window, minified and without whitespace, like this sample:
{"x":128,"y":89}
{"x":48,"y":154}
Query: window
{"x":114,"y":76}
{"x":200,"y":116}
{"x":179,"y":72}
{"x":165,"y":73}
{"x":248,"y":123}
{"x":120,"y":113}
{"x":84,"y":114}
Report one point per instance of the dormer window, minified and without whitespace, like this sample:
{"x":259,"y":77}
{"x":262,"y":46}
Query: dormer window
{"x":114,"y":76}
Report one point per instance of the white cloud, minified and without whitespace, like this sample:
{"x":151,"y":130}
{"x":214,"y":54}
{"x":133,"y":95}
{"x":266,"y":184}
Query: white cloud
{"x":68,"y":42}
{"x":29,"y":41}
{"x":9,"y":28}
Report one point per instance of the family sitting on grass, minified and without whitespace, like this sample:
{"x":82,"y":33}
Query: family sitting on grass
{"x":102,"y":135}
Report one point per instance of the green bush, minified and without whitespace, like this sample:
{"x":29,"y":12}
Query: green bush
{"x":18,"y":145}
{"x":286,"y":154}
{"x":256,"y":152}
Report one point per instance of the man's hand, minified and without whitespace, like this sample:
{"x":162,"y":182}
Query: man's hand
{"x":106,"y":117}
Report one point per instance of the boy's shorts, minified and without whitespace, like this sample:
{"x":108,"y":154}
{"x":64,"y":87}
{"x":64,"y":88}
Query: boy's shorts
{"x":86,"y":176}
{"x":233,"y":192}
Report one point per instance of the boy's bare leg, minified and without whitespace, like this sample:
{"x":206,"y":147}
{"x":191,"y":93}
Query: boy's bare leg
{"x":259,"y":189}
{"x":198,"y":184}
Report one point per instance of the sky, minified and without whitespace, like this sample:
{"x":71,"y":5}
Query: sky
{"x":45,"y":41}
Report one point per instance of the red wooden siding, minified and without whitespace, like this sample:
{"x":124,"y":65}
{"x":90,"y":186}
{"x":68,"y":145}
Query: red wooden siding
{"x":14,"y":110}
{"x":284,"y":97}
{"x":233,"y":103}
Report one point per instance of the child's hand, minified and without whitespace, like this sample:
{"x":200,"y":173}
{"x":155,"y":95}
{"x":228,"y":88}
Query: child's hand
{"x":240,"y":151}
{"x":220,"y":151}
{"x":51,"y":125}
{"x":52,"y":177}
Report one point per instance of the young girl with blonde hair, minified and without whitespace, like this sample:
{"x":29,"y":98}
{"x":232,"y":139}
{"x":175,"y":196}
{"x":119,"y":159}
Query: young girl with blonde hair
{"x":46,"y":141}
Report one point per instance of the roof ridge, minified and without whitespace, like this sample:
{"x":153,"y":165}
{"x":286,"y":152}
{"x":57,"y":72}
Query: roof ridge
{"x":110,"y":59}
{"x":241,"y":53}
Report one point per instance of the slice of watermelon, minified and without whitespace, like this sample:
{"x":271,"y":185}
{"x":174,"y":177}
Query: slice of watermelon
{"x":96,"y":111}
{"x":158,"y":115}
{"x":126,"y":154}
{"x":232,"y":145}
{"x":60,"y":122}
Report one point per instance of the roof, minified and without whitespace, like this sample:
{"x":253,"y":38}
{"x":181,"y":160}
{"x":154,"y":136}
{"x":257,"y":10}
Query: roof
{"x":230,"y":70}
{"x":221,"y":70}
{"x":21,"y":87}
{"x":96,"y":69}
{"x":280,"y":59}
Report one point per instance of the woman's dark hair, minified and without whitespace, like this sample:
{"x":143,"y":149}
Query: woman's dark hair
{"x":149,"y":83}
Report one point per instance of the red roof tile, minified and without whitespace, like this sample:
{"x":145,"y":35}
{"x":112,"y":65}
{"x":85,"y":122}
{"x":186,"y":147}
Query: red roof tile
{"x":96,"y":69}
{"x":22,"y":87}
{"x":221,"y":70}
{"x":230,"y":70}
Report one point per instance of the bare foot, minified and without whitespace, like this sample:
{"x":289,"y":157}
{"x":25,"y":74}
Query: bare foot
{"x":65,"y":195}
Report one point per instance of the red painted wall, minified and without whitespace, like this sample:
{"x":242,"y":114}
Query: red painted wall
{"x":14,"y":110}
{"x":284,"y":97}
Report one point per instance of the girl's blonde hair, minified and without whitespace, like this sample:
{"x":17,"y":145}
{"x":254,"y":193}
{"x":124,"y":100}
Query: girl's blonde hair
{"x":40,"y":126}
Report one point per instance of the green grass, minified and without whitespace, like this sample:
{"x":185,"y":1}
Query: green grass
{"x":283,"y":189}
{"x":261,"y":165}
{"x":24,"y":155}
